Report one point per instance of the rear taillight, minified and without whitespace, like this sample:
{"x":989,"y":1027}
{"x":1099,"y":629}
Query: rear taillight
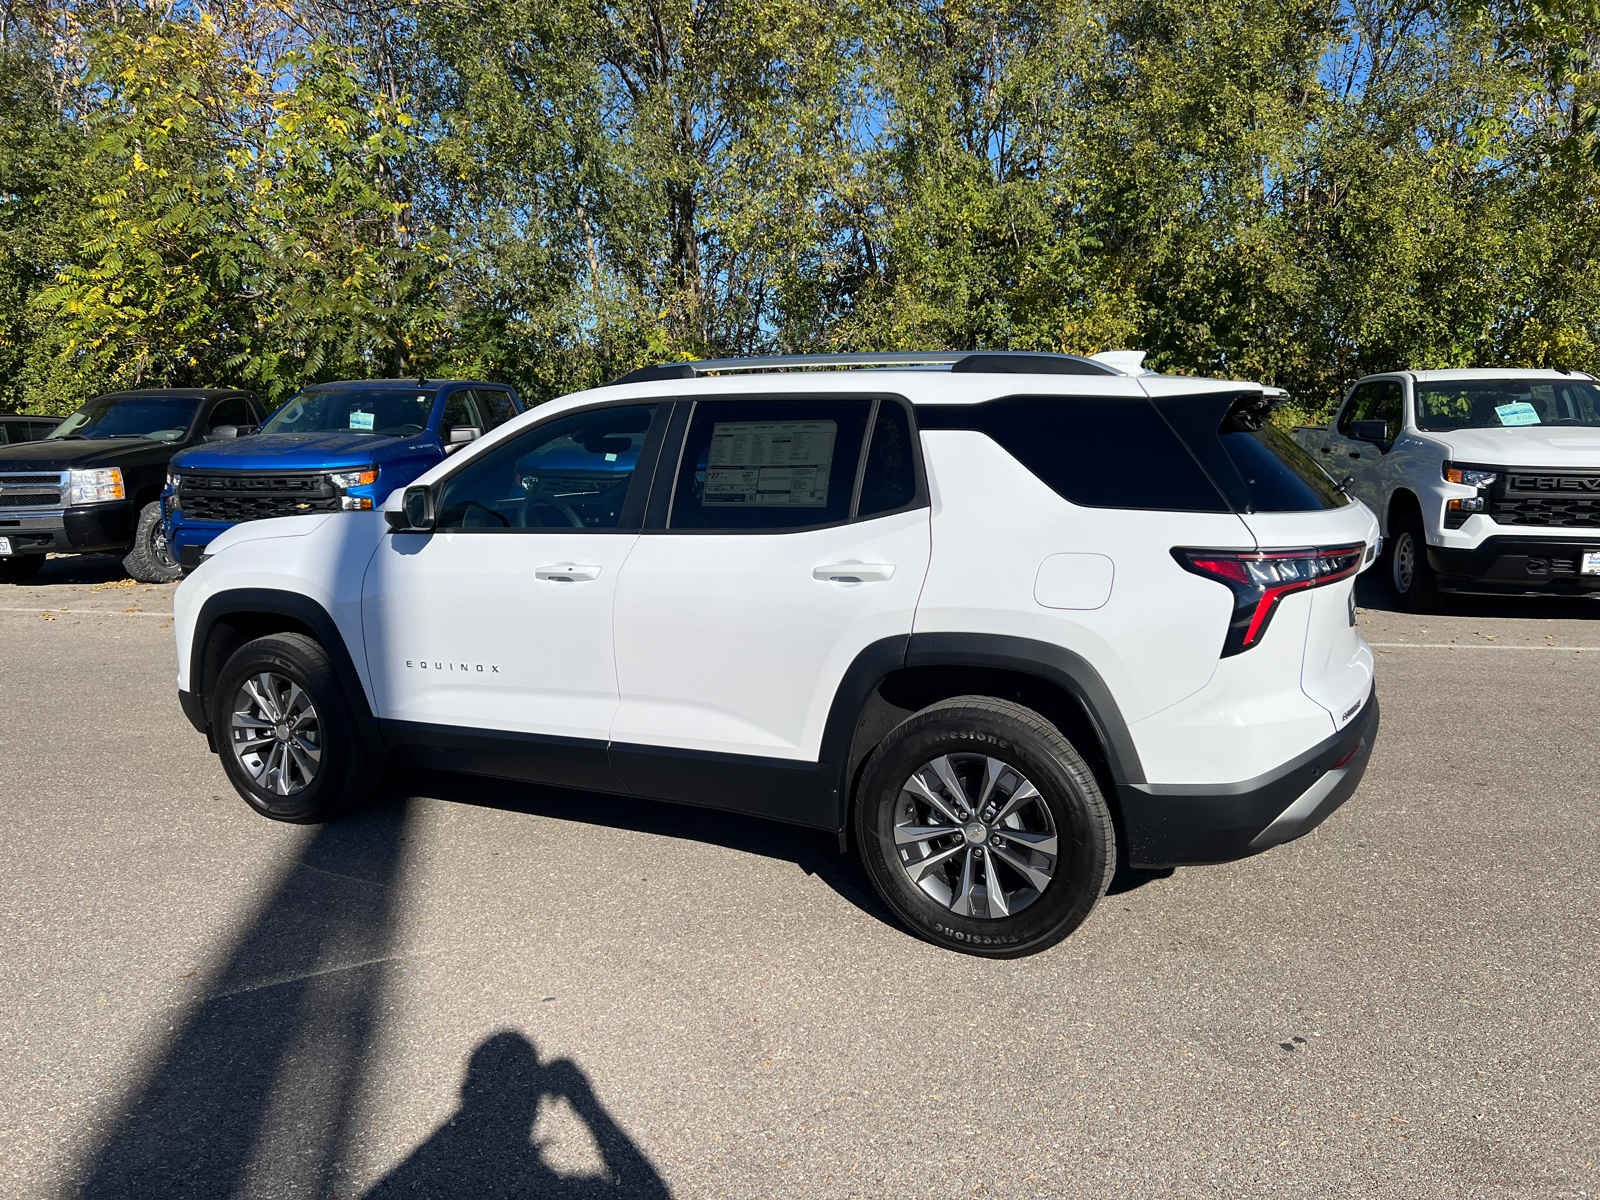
{"x":1259,"y":579}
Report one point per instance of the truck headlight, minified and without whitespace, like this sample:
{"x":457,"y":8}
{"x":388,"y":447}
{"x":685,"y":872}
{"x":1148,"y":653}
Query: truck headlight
{"x":91,"y":487}
{"x":1470,"y":476}
{"x":345,"y":480}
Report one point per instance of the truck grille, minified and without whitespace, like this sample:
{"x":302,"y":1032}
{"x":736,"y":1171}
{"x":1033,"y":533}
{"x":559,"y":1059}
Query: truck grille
{"x":253,"y":496}
{"x":33,"y":490}
{"x":1549,"y":498}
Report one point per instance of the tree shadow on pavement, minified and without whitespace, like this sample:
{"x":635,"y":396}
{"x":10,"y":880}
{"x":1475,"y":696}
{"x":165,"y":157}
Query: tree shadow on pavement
{"x":259,"y":1091}
{"x":253,"y":1091}
{"x":486,"y":1148}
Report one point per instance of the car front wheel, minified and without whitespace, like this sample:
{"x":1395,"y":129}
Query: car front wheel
{"x":285,"y":732}
{"x":984,"y":829}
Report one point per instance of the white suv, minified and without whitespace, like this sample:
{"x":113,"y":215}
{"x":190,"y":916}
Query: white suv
{"x":991,"y":623}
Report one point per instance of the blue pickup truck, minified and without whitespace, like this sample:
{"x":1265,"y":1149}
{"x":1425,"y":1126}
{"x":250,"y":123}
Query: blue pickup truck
{"x":330,"y":448}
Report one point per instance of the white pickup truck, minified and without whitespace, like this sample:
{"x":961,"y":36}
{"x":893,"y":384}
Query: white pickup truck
{"x":1483,"y":481}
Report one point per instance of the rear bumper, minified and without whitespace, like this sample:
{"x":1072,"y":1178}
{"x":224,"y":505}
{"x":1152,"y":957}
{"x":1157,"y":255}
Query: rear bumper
{"x":1170,"y":825}
{"x":1516,"y":566}
{"x":86,"y":530}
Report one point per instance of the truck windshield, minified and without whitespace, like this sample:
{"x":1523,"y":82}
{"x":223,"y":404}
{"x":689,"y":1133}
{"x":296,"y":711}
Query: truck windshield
{"x":158,"y":418}
{"x":394,"y":412}
{"x":1493,"y":403}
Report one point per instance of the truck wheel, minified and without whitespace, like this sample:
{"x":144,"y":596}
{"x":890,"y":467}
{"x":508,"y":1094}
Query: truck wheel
{"x":1410,"y":576}
{"x":150,"y":561}
{"x":984,"y":829}
{"x":286,"y":734}
{"x":20,"y":568}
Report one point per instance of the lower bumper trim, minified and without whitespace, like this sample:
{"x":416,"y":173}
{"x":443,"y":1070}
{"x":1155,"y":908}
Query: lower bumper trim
{"x":194,"y":707}
{"x":1174,"y":825}
{"x":1516,"y":566}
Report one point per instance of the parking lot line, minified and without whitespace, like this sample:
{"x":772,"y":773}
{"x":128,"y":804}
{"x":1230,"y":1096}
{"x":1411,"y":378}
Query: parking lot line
{"x":1469,"y":646}
{"x":85,"y":612}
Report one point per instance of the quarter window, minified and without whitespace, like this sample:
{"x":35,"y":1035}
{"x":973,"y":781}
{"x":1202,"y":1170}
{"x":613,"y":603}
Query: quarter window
{"x":769,"y":464}
{"x":1101,"y":451}
{"x":890,"y":479}
{"x":572,"y":472}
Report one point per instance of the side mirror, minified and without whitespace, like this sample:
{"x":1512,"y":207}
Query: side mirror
{"x":221,"y":433}
{"x":1376,"y":432}
{"x":461,"y":434}
{"x":416,"y":511}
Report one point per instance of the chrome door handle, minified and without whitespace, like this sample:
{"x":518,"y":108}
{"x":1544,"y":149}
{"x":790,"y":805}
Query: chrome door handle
{"x":853,"y":572}
{"x":566,"y":572}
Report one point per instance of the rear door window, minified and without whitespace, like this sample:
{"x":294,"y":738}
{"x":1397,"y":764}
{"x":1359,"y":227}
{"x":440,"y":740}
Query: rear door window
{"x":769,"y":464}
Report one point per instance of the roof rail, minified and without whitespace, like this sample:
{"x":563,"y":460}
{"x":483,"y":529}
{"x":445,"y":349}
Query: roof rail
{"x":982,"y":362}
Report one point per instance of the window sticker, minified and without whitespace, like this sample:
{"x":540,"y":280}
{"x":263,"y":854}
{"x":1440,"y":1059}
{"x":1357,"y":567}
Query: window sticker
{"x":770,"y":462}
{"x":360,"y":420}
{"x":1519,"y":413}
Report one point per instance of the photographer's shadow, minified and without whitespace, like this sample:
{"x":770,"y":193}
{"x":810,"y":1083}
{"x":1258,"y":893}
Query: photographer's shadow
{"x":486,"y":1149}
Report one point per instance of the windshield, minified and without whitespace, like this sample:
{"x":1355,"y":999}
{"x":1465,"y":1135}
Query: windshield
{"x":158,"y":418}
{"x":1494,"y":403}
{"x":394,"y":412}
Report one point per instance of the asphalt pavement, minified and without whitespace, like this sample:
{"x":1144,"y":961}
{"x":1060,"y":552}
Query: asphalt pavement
{"x":478,"y":989}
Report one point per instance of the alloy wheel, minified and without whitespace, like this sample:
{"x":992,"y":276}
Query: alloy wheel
{"x":276,"y":734}
{"x":975,"y":835}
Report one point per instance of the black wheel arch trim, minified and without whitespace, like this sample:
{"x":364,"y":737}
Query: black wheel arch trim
{"x":1073,"y":673}
{"x":272,"y":602}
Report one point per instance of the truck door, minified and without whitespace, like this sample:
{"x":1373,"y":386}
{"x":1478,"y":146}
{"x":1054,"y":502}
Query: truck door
{"x":1345,"y":456}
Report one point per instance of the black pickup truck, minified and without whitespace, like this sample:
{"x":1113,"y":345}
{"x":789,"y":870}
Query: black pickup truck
{"x":93,"y":486}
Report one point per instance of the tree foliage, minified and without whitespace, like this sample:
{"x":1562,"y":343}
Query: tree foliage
{"x":551,"y":192}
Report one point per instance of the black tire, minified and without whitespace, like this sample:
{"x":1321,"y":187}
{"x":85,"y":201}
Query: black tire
{"x":346,"y":773}
{"x":971,"y":731}
{"x":150,"y":561}
{"x":20,"y":568}
{"x":1411,"y":579}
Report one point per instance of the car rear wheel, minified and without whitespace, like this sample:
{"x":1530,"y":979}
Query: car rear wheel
{"x":1411,"y":579}
{"x":150,"y":561}
{"x":286,"y":734}
{"x":984,"y":829}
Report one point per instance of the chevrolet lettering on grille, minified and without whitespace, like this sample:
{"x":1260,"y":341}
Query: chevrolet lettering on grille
{"x":1554,"y":483}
